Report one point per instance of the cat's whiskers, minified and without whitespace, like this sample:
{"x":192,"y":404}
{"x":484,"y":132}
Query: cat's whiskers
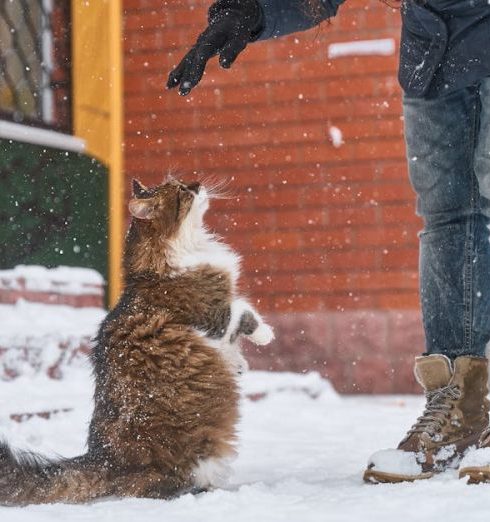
{"x":218,"y":188}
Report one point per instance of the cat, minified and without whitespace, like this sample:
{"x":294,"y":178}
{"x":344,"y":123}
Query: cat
{"x":165,"y":360}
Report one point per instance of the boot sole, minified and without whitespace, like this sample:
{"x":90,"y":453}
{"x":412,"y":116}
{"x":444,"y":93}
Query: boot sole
{"x":372,"y":476}
{"x":476,"y":475}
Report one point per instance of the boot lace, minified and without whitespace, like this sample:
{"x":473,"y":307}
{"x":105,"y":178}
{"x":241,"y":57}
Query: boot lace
{"x":436,"y":410}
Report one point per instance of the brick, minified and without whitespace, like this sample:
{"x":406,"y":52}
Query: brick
{"x":338,"y":107}
{"x":142,"y":4}
{"x":324,"y":282}
{"x":297,"y":302}
{"x":393,"y":170}
{"x":285,"y":241}
{"x":349,"y":300}
{"x":352,"y":260}
{"x":371,"y":374}
{"x":241,"y":221}
{"x":329,"y":238}
{"x":387,"y":280}
{"x":301,"y":261}
{"x":285,"y":197}
{"x":358,"y":361}
{"x":359,"y":334}
{"x":355,"y":350}
{"x":320,"y":228}
{"x":386,"y":193}
{"x":77,"y":301}
{"x":352,"y":216}
{"x":258,"y":263}
{"x":405,"y":333}
{"x":404,"y":213}
{"x":386,"y":236}
{"x":152,"y":19}
{"x":403,"y":300}
{"x":399,"y":258}
{"x":341,"y":195}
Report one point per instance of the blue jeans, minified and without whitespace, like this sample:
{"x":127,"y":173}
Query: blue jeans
{"x":448,"y":147}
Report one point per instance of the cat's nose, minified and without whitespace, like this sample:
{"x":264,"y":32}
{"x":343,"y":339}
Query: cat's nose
{"x":194,"y":187}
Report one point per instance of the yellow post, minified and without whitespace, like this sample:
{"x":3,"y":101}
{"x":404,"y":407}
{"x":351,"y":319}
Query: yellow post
{"x":116,"y":191}
{"x":98,"y":107}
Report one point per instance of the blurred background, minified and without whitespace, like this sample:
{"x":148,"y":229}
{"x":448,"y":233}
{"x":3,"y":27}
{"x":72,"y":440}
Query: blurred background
{"x":306,"y":130}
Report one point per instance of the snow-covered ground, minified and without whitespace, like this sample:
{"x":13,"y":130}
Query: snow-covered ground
{"x":39,"y":338}
{"x":302,"y":452}
{"x":62,"y":279}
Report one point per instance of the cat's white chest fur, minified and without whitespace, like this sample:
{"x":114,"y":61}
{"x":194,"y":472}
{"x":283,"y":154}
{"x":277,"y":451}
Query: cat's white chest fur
{"x":203,"y":249}
{"x":194,"y":246}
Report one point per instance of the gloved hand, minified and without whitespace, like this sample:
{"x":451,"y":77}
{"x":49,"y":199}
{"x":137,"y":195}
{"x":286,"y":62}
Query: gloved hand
{"x":232,"y":25}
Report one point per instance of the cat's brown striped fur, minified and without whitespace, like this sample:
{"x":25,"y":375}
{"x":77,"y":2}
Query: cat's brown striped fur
{"x":165,"y":365}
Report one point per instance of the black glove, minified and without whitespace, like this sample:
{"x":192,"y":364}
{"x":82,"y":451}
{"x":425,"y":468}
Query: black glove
{"x":232,"y":25}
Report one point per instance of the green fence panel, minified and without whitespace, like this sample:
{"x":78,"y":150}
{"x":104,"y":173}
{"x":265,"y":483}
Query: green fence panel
{"x":53,"y":208}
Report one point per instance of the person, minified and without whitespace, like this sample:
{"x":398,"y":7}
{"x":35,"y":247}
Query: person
{"x":444,"y":72}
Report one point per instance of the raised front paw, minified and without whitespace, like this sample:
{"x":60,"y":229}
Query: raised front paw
{"x":263,"y":334}
{"x":237,"y":362}
{"x":242,"y":365}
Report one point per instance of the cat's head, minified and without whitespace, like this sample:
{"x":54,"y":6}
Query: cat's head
{"x":167,"y":206}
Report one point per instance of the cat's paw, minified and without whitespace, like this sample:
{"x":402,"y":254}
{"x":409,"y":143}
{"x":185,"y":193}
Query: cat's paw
{"x":241,"y":365}
{"x":263,"y":334}
{"x":212,"y":473}
{"x":235,"y":360}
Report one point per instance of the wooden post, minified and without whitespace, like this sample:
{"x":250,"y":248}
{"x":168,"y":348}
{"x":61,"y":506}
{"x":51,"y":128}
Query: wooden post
{"x":98,"y":107}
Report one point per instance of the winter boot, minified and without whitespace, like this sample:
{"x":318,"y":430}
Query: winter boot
{"x":475,"y":466}
{"x":455,"y":416}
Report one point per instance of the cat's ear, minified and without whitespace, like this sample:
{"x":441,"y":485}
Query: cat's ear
{"x":142,"y":208}
{"x":138,"y":188}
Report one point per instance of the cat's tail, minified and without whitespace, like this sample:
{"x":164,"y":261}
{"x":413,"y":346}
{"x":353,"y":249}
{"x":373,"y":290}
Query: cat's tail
{"x":27,"y":478}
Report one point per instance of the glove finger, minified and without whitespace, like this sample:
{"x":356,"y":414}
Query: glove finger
{"x":175,"y":76}
{"x":194,"y":70}
{"x":191,"y":77}
{"x":230,"y":52}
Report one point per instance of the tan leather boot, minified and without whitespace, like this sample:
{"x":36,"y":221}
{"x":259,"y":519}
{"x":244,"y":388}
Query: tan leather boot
{"x":475,"y":466}
{"x":455,"y":416}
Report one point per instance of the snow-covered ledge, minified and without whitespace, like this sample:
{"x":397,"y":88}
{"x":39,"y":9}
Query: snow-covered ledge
{"x":37,"y":136}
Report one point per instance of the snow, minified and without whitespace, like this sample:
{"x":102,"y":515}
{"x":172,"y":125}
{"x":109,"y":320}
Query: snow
{"x":35,"y":337}
{"x":302,"y":452}
{"x":259,"y":383}
{"x":24,"y":319}
{"x":62,"y":280}
{"x":336,"y":136}
{"x":396,"y":461}
{"x":302,"y":447}
{"x":478,"y":457}
{"x":383,"y":47}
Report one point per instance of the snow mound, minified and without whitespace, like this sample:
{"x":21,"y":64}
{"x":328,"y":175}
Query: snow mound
{"x":395,"y":461}
{"x":38,"y":338}
{"x":25,"y":320}
{"x":258,"y":384}
{"x":476,"y":458}
{"x":63,"y":279}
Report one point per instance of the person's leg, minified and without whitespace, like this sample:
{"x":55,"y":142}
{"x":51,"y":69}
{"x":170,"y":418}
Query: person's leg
{"x":443,"y":138}
{"x":476,"y":465}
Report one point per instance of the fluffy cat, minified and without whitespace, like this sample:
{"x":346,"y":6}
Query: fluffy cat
{"x":165,"y":365}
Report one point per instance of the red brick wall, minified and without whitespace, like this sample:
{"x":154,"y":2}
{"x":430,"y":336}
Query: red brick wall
{"x":328,"y":233}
